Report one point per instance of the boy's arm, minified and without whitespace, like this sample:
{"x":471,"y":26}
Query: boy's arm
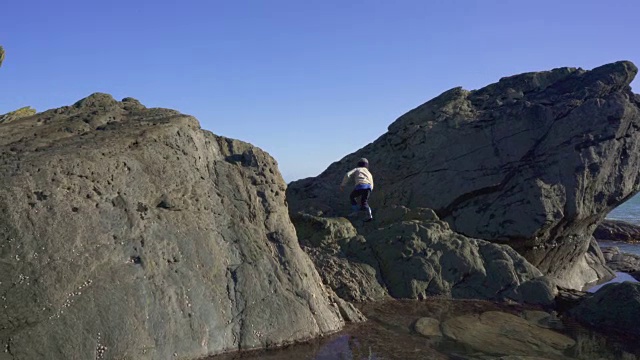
{"x":345,"y":179}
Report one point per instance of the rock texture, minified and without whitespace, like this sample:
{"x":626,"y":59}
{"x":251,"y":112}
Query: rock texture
{"x":344,"y":259}
{"x":623,"y":262}
{"x":535,"y":161}
{"x":615,"y":307}
{"x":568,"y":299}
{"x":543,"y":319}
{"x":129,"y":232}
{"x":428,"y":326}
{"x":17,"y":114}
{"x":415,"y":255}
{"x":614,"y":230}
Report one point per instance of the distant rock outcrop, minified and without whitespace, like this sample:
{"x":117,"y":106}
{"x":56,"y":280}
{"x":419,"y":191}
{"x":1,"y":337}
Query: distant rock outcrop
{"x":17,"y":114}
{"x":1,"y":55}
{"x":623,"y":262}
{"x":129,"y":232}
{"x":535,"y":161}
{"x":614,"y":230}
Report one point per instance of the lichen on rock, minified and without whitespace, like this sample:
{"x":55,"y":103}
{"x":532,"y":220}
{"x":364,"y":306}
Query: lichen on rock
{"x":17,"y":114}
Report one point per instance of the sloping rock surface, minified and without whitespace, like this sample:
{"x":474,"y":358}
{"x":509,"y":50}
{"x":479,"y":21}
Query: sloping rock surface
{"x":535,"y":161}
{"x":412,"y":254}
{"x":128,"y":232}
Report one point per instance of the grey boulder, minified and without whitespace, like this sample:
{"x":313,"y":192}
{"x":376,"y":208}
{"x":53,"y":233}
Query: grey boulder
{"x":130,"y":232}
{"x":614,"y":307}
{"x":534,"y":161}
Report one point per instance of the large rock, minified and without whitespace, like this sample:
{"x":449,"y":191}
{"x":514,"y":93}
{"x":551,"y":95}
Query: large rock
{"x":128,"y":232}
{"x":534,"y":161}
{"x":615,"y":307}
{"x":615,"y":230}
{"x":415,"y":256}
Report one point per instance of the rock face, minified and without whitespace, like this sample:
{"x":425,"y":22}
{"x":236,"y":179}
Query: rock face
{"x":534,"y":161}
{"x":615,"y":307}
{"x":128,"y":232}
{"x":613,"y":230}
{"x":412,"y":254}
{"x":17,"y":114}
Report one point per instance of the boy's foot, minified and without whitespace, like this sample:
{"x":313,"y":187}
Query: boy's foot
{"x":369,"y":214}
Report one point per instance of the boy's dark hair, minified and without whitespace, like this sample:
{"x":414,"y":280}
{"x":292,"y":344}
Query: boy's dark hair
{"x":363,"y":163}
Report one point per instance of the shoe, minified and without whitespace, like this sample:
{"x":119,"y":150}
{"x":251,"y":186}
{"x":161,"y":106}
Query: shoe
{"x":369,"y":215}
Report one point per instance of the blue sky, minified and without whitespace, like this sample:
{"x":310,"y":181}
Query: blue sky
{"x":307,"y":81}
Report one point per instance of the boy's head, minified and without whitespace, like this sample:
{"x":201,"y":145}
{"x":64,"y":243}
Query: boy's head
{"x":363,"y":163}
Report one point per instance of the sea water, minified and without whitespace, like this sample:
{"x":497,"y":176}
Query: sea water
{"x":627,"y":212}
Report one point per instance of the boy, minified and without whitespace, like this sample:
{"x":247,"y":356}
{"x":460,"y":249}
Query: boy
{"x":363,"y":187}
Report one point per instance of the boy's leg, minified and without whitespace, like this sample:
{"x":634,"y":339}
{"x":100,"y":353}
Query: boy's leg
{"x":364,"y":202}
{"x":354,"y":204}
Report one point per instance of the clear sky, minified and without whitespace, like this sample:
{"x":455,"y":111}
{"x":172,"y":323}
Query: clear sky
{"x":308,"y":81}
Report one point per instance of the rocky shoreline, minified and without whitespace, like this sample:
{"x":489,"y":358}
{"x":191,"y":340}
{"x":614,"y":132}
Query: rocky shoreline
{"x":130,"y":232}
{"x":619,"y":231}
{"x":615,"y":230}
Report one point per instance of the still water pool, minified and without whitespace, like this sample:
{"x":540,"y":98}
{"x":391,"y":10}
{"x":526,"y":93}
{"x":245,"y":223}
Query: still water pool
{"x":464,"y":330}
